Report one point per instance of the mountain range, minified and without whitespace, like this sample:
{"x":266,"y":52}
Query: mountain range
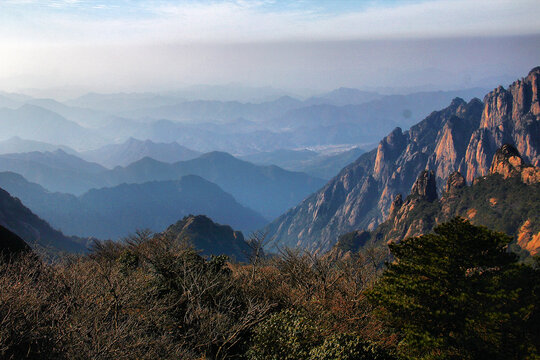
{"x":462,"y":137}
{"x":132,"y":150}
{"x":112,"y":213}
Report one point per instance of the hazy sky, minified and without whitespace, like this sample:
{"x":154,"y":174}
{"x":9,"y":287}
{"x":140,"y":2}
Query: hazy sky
{"x":131,"y":45}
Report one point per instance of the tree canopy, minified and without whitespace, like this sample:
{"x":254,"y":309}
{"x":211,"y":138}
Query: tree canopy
{"x":459,"y":294}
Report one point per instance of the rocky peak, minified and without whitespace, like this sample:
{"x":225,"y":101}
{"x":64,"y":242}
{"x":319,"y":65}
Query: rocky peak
{"x":455,"y":181}
{"x":209,"y":237}
{"x":425,"y":186}
{"x":508,"y":162}
{"x":396,"y":205}
{"x":510,"y":116}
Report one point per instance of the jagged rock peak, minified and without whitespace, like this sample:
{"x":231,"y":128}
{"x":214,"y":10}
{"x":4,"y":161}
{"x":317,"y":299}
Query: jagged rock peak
{"x":425,"y":186}
{"x":457,"y":102}
{"x":455,"y":181}
{"x":396,"y":205}
{"x":507,"y":161}
{"x":535,"y":70}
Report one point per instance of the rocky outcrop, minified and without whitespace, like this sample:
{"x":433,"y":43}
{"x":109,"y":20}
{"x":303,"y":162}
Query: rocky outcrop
{"x":425,"y":186}
{"x":510,"y":116}
{"x":455,"y":182}
{"x":509,"y":207}
{"x":463,"y":137}
{"x":508,"y":163}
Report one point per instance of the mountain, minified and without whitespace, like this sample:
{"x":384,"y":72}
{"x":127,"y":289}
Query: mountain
{"x":283,"y":158}
{"x":269,"y":190}
{"x":133,"y":150}
{"x":121,"y":102}
{"x":217,"y":111}
{"x":364,"y":123}
{"x":85,"y":117}
{"x":344,"y":96}
{"x":18,"y":145}
{"x":507,"y":200}
{"x":35,"y":123}
{"x":20,"y":220}
{"x":457,"y":138}
{"x":118,"y":211}
{"x":324,"y":166}
{"x":210,"y":238}
{"x":56,"y":170}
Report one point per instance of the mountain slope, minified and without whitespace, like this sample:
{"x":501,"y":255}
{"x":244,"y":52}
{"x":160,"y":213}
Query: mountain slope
{"x":57,"y":170}
{"x":35,"y":123}
{"x":17,"y":145}
{"x":118,"y":211}
{"x":269,"y":190}
{"x":20,"y":220}
{"x":360,"y":196}
{"x":133,"y":150}
{"x":210,"y":238}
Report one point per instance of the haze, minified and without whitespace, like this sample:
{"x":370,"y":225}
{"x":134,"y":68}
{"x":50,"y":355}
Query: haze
{"x":71,"y":47}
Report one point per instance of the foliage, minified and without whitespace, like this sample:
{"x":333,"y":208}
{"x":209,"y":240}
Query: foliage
{"x":458,"y":294}
{"x":292,"y":334}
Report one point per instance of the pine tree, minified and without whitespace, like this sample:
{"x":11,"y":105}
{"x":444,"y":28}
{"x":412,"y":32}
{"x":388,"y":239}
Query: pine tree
{"x":459,"y":294}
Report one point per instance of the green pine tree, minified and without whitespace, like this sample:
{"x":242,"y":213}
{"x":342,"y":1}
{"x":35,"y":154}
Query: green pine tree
{"x":459,"y":294}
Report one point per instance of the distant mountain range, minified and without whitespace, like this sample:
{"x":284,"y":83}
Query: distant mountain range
{"x":269,"y":190}
{"x":56,"y":170}
{"x":342,"y":116}
{"x":118,"y":211}
{"x":324,"y":166}
{"x":17,"y":145}
{"x":133,"y":150}
{"x":463,"y":137}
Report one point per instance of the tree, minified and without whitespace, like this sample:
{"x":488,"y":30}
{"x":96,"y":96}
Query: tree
{"x":459,"y":294}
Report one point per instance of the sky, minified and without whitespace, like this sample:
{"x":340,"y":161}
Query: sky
{"x":158,"y":45}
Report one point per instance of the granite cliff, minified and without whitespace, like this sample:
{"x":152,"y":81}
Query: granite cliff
{"x":507,"y":199}
{"x":462,"y":137}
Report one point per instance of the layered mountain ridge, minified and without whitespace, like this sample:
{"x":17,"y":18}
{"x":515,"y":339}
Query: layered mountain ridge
{"x":462,"y":137}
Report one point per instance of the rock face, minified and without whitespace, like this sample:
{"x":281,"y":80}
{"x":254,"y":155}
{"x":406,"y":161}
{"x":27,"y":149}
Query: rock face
{"x":508,"y":163}
{"x":512,"y":204}
{"x":425,"y":186}
{"x":210,"y":238}
{"x":463,"y":137}
{"x":510,"y":116}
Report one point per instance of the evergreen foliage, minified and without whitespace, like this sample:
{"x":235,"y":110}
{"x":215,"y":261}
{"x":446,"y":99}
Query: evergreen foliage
{"x":459,"y":294}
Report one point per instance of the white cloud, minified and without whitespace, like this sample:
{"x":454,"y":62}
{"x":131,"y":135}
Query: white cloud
{"x":252,"y":21}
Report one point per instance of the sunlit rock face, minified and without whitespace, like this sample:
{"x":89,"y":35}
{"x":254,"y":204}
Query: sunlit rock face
{"x":510,"y":116}
{"x":462,"y":137}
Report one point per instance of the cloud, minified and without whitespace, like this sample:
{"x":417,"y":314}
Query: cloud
{"x":254,"y":21}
